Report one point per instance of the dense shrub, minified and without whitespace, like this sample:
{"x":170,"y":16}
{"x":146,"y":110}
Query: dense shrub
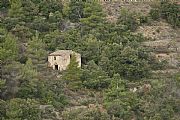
{"x":168,"y":11}
{"x":155,"y":14}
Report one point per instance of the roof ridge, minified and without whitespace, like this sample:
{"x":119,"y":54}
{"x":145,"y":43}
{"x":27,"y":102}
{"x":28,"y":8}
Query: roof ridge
{"x":62,"y":52}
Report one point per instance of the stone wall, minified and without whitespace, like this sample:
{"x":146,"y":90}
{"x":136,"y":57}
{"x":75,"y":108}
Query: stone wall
{"x":62,"y":61}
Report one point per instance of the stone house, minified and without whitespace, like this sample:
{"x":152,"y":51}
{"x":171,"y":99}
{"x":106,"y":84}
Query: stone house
{"x":60,"y":59}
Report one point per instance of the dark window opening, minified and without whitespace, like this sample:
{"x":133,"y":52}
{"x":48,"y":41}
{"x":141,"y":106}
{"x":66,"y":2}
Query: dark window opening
{"x":70,"y":56}
{"x":54,"y":58}
{"x":56,"y":67}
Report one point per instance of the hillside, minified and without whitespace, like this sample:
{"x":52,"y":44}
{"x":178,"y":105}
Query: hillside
{"x":129,"y":60}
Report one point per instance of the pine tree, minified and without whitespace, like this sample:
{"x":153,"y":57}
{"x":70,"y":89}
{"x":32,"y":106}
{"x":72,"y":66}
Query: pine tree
{"x":15,"y":8}
{"x":119,"y":101}
{"x":30,"y":10}
{"x":36,"y":51}
{"x":73,"y":73}
{"x":8,"y":49}
{"x":116,"y":87}
{"x":75,"y":10}
{"x":18,"y":109}
{"x":4,"y":4}
{"x":50,"y":6}
{"x":28,"y":82}
{"x":93,"y":18}
{"x":11,"y":75}
{"x":129,"y":19}
{"x":94,"y":77}
{"x":28,"y":72}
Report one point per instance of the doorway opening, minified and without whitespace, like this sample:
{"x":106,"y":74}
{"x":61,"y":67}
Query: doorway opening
{"x":56,"y":67}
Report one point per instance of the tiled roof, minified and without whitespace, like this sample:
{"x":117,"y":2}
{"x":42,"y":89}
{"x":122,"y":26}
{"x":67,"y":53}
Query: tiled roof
{"x":62,"y":52}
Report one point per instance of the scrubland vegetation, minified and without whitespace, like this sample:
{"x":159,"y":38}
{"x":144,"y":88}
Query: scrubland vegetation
{"x":116,"y":74}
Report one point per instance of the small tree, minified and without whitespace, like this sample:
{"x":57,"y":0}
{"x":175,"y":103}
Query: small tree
{"x":28,"y":83}
{"x":94,"y":77}
{"x":129,"y":19}
{"x":18,"y":109}
{"x":75,"y":10}
{"x":15,"y":8}
{"x":36,"y":51}
{"x":119,"y":101}
{"x":8,"y":49}
{"x":155,"y":14}
{"x":73,"y":73}
{"x":4,"y":4}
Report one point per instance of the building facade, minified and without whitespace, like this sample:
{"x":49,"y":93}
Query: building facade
{"x":59,"y":60}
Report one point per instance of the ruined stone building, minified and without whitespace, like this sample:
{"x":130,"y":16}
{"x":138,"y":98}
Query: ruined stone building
{"x":59,"y":60}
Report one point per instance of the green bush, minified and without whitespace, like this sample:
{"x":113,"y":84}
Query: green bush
{"x":168,"y":11}
{"x":155,"y":14}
